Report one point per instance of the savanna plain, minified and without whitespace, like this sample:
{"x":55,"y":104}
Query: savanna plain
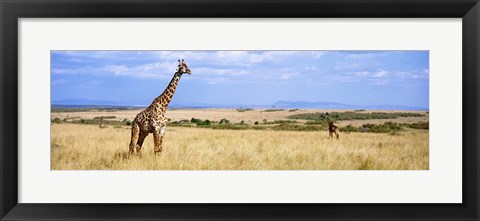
{"x":243,"y":139}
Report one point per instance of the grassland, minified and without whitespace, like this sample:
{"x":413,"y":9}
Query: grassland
{"x":234,"y":116}
{"x":89,"y":147}
{"x":82,"y":146}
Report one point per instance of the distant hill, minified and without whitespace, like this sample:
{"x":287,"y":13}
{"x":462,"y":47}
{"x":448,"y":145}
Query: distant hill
{"x":340,"y":106}
{"x":305,"y":104}
{"x":84,"y":102}
{"x":280,"y":104}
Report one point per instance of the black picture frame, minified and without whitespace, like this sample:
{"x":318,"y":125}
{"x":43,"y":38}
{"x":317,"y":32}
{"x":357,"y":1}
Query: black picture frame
{"x":12,"y":10}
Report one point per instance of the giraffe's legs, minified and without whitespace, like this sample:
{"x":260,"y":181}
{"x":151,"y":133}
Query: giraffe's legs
{"x":134,"y":138}
{"x":141,"y":138}
{"x":158,"y":139}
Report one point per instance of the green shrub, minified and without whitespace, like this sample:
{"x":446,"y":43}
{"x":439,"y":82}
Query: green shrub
{"x":56,"y":120}
{"x":281,"y":122}
{"x":273,"y":110}
{"x":256,"y":123}
{"x":316,"y":122}
{"x":387,"y":127}
{"x":353,"y":115}
{"x":349,"y":128}
{"x":230,"y":127}
{"x":392,"y":126}
{"x":244,"y":109}
{"x":394,"y":133}
{"x":224,"y":121}
{"x":296,"y":127}
{"x":181,"y":123}
{"x":98,"y":121}
{"x":200,"y":122}
{"x":419,"y":125}
{"x":104,"y":117}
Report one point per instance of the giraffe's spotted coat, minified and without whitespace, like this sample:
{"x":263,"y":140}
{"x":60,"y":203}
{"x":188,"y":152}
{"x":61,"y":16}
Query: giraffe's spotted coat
{"x":153,"y":119}
{"x":332,"y":129}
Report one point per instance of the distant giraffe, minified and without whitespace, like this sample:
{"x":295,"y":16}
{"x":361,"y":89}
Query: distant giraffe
{"x":152,"y":119}
{"x":332,"y":129}
{"x":101,"y":122}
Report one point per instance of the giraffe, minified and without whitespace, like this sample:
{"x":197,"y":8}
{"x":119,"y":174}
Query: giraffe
{"x":332,"y":129}
{"x":152,"y":119}
{"x":101,"y":122}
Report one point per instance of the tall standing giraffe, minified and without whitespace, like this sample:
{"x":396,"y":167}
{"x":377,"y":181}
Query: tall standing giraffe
{"x":332,"y":129}
{"x":152,"y":119}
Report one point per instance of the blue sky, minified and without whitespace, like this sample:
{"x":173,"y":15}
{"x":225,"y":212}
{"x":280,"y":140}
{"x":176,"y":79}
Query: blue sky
{"x":244,"y":77}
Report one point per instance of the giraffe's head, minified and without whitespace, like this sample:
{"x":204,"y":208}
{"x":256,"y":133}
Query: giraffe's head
{"x":325,"y":115}
{"x":183,"y":67}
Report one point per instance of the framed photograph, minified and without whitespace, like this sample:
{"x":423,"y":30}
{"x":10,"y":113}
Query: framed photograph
{"x":323,"y":110}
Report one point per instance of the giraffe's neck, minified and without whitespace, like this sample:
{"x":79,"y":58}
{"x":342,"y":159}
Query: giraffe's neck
{"x":161,"y":102}
{"x":329,"y":121}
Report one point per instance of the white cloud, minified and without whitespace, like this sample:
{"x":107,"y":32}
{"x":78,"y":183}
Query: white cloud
{"x":360,"y":61}
{"x":418,"y":74}
{"x":344,"y":78}
{"x":255,"y":57}
{"x":425,"y":73}
{"x":362,"y":73}
{"x":217,"y":80}
{"x":370,"y":74}
{"x":63,"y":71}
{"x":204,"y":71}
{"x":367,"y":55}
{"x":117,"y":69}
{"x":379,"y":74}
{"x":288,"y":76}
{"x":378,"y":77}
{"x":251,"y":57}
{"x":58,"y":82}
{"x":379,"y":81}
{"x":318,"y":54}
{"x":150,"y":70}
{"x":349,"y":65}
{"x":84,"y":56}
{"x":187,"y":55}
{"x":234,"y":58}
{"x":163,"y":63}
{"x":311,"y":68}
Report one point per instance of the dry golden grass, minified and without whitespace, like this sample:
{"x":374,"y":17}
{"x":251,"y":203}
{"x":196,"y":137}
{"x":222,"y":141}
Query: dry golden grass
{"x":87,"y":147}
{"x":234,"y":116}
